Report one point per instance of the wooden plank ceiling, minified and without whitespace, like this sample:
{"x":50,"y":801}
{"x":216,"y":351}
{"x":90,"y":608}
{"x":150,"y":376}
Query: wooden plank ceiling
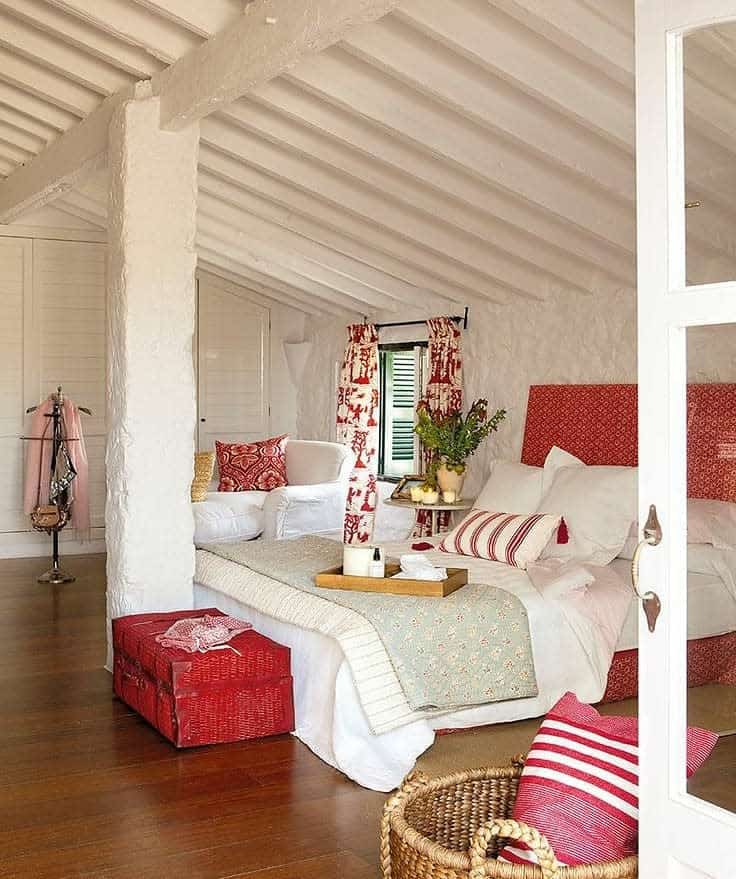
{"x":450,"y":154}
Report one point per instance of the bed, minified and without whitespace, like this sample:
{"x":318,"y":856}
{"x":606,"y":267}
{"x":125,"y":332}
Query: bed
{"x":598,"y":423}
{"x":576,"y":645}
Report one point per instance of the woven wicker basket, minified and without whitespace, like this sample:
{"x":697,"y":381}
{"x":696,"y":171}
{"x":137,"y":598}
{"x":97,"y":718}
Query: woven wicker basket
{"x":452,"y":828}
{"x":204,"y":467}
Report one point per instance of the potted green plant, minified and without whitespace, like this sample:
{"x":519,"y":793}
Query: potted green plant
{"x":452,"y":439}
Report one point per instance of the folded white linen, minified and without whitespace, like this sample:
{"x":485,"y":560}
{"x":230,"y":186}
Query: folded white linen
{"x":555,"y":577}
{"x":416,"y":566}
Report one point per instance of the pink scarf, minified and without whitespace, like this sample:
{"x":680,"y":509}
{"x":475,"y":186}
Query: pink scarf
{"x":38,"y":464}
{"x":202,"y":633}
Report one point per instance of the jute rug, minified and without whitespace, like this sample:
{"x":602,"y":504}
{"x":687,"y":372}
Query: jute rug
{"x":711,"y":707}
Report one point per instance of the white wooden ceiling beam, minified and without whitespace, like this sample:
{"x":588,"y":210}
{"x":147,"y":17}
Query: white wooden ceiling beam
{"x":717,"y":42}
{"x":268,"y":38}
{"x":426,"y":201}
{"x":12,"y":151}
{"x":81,"y":34}
{"x":394,"y":171}
{"x":222,"y":219}
{"x":528,"y":62}
{"x":375,"y":203}
{"x":47,"y":51}
{"x":710,"y":87}
{"x":331,"y":225}
{"x":134,"y":25}
{"x":204,"y":19}
{"x":271,"y":36}
{"x":416,"y":237}
{"x":394,"y":48}
{"x":581,"y":28}
{"x":65,"y":204}
{"x":267,"y":286}
{"x":345,"y":264}
{"x":36,"y":108}
{"x":309,"y":277}
{"x":46,"y":84}
{"x":214,"y":265}
{"x":490,"y":159}
{"x":61,"y":166}
{"x":27,"y":125}
{"x":90,"y":206}
{"x":29,"y":143}
{"x":275,"y":275}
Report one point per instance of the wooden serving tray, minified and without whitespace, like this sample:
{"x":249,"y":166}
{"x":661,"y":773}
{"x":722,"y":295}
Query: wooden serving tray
{"x":335,"y":579}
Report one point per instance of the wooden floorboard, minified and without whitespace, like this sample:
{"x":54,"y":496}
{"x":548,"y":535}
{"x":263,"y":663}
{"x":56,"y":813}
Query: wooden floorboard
{"x":88,"y":789}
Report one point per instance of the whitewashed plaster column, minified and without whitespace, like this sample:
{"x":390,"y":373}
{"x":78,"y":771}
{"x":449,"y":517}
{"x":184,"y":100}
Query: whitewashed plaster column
{"x":151,"y":390}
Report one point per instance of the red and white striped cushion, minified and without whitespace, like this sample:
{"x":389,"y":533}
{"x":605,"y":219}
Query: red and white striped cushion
{"x":513,"y":539}
{"x":580,"y":784}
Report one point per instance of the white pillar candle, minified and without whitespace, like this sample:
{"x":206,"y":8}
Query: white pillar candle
{"x":449,"y":496}
{"x":417,"y":494}
{"x":431,"y":497}
{"x":356,"y":560}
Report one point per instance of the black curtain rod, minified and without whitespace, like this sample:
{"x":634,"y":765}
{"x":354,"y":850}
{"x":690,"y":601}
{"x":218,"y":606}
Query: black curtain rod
{"x":459,"y":319}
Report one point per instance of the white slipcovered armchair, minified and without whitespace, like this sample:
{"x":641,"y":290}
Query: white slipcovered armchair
{"x":313,"y":502}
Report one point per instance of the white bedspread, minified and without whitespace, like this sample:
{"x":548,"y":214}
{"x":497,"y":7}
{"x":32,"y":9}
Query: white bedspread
{"x":573,"y":639}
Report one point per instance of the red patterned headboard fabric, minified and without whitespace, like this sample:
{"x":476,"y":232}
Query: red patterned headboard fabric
{"x":598,"y":424}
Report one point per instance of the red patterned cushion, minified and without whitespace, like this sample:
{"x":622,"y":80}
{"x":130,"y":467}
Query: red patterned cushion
{"x":512,"y":539}
{"x":257,"y":466}
{"x":580,"y":784}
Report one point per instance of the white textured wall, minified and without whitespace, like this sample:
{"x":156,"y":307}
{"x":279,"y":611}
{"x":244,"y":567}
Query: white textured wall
{"x":567,"y":339}
{"x":151,"y":391}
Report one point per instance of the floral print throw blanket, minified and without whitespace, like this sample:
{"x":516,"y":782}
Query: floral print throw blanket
{"x":469,"y":648}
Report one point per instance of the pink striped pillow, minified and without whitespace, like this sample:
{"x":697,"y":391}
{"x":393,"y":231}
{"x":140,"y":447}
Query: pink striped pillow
{"x":513,"y":539}
{"x":580,"y":784}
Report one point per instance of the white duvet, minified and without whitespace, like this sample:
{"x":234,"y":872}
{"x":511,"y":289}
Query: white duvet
{"x":573,"y":640}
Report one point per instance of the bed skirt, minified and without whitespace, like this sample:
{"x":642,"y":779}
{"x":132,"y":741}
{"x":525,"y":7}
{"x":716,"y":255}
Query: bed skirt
{"x":709,"y":661}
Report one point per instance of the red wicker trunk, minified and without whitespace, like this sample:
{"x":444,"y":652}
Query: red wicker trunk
{"x":202,"y":698}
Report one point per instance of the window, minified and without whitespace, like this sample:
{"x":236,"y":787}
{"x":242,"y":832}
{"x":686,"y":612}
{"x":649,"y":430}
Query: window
{"x":402,"y":375}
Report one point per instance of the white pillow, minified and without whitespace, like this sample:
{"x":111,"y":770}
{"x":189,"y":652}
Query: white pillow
{"x":513,"y":487}
{"x":598,"y":505}
{"x":555,"y":460}
{"x":228,"y":516}
{"x":713,"y":522}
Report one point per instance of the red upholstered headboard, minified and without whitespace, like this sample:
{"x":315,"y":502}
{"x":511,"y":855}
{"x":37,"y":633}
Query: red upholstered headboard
{"x":598,"y":423}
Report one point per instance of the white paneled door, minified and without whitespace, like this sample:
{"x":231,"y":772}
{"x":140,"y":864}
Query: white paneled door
{"x":233,"y":373}
{"x":681,"y":836}
{"x":15,"y":296}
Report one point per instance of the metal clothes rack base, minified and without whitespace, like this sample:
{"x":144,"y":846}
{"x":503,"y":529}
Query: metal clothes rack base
{"x":55,"y":575}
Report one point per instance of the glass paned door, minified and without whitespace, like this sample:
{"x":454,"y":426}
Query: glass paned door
{"x":687,"y":444}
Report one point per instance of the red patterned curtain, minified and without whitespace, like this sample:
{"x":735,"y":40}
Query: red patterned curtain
{"x":357,"y":427}
{"x":444,"y":394}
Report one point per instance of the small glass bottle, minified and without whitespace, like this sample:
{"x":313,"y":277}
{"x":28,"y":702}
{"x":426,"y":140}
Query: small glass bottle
{"x":378,"y":565}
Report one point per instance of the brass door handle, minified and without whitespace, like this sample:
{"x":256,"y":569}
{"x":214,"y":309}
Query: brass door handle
{"x":650,"y":600}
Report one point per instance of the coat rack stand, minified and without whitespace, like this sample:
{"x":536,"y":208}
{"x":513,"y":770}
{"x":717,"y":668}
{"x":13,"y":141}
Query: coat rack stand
{"x":56,"y":575}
